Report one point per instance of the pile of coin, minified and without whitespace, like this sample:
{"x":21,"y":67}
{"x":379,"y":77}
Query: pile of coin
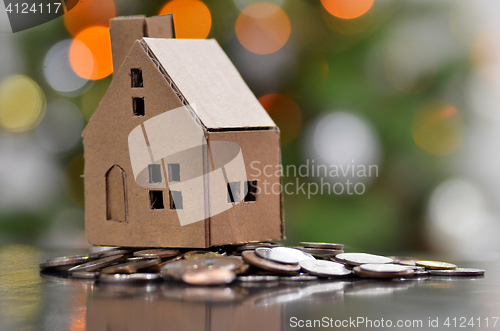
{"x":249,"y":263}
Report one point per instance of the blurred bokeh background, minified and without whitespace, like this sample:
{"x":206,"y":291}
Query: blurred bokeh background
{"x":411,"y":86}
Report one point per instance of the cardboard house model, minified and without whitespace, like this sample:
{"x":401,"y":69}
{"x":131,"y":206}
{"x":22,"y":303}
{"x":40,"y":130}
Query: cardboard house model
{"x":179,"y":152}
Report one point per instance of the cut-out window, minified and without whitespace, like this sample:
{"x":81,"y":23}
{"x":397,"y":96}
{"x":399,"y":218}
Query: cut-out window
{"x":156,"y":199}
{"x":176,"y":200}
{"x":251,"y":191}
{"x":116,"y":194}
{"x":138,"y":106}
{"x":233,"y":192}
{"x":136,"y":75}
{"x":174,"y":172}
{"x":154,"y":173}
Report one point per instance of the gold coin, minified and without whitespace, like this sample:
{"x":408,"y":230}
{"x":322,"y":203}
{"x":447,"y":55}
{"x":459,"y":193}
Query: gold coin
{"x":97,"y":264}
{"x":131,"y":267}
{"x":195,"y":255}
{"x":436,"y":265}
{"x":160,"y":265}
{"x":404,"y":260}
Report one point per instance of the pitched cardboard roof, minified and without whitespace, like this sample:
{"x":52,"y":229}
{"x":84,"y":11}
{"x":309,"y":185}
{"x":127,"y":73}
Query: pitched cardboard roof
{"x":206,"y":77}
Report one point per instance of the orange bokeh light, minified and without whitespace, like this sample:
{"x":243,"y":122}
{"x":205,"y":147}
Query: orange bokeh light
{"x":263,"y":28}
{"x":347,"y":27}
{"x":192,"y":18}
{"x":285,"y":113}
{"x":88,"y":13}
{"x":347,"y":9}
{"x":90,"y":53}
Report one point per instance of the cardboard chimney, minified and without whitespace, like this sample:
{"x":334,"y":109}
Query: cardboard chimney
{"x":179,"y":152}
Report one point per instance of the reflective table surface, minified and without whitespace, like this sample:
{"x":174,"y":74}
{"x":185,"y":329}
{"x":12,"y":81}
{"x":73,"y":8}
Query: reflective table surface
{"x":34,"y":300}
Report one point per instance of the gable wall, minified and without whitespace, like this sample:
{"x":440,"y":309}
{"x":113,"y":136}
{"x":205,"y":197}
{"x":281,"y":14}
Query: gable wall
{"x":106,"y":144}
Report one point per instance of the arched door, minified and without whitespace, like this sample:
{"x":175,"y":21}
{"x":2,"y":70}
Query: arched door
{"x":116,"y":194}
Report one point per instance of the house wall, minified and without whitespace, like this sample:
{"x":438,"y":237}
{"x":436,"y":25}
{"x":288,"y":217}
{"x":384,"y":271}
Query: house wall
{"x":252,"y":221}
{"x":106,"y":145}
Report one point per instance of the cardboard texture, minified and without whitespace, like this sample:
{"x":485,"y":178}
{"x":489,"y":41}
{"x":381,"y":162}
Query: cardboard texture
{"x":164,"y":175}
{"x":125,"y":30}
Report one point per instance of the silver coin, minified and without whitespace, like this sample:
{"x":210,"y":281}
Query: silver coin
{"x":418,"y":272}
{"x":321,"y":251}
{"x":161,"y":253}
{"x":363,"y":258}
{"x":258,"y":278}
{"x":64,"y":261}
{"x":128,"y":278}
{"x":111,"y":252}
{"x":298,"y":278}
{"x":277,"y":256}
{"x":321,"y":245}
{"x":458,"y":272}
{"x":136,"y":258}
{"x":85,"y":274}
{"x":384,"y":268}
{"x":297,"y":253}
{"x":251,"y":258}
{"x":96,"y":264}
{"x":407,"y":272}
{"x":416,"y":268}
{"x":252,"y":246}
{"x":324,"y":268}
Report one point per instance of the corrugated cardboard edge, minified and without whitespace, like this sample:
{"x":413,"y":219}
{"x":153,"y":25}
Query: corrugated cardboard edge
{"x":282,"y":194}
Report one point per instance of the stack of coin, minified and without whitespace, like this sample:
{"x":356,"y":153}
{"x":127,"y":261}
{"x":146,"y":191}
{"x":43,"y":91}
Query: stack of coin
{"x":254,"y":264}
{"x":321,"y":249}
{"x":383,"y":270}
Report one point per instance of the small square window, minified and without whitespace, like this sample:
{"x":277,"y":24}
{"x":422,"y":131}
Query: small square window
{"x":156,"y":199}
{"x":233,"y":192}
{"x":251,"y":191}
{"x":174,"y":172}
{"x":176,"y":200}
{"x":136,"y":75}
{"x":154,"y":173}
{"x":138,"y":106}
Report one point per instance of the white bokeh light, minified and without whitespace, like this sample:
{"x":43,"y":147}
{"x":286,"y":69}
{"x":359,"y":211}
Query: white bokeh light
{"x":60,"y":75}
{"x":459,"y":219}
{"x":417,"y":49}
{"x":343,"y":139}
{"x":29,"y":177}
